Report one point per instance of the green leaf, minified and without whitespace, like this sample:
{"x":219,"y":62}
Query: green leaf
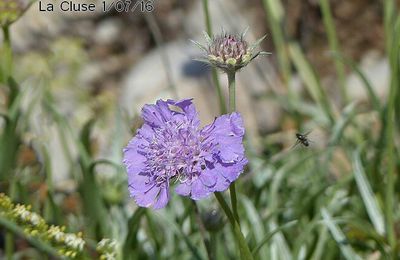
{"x":339,"y":237}
{"x":310,"y":79}
{"x":340,"y":124}
{"x":270,"y":234}
{"x":257,"y":227}
{"x":168,"y":218}
{"x":85,"y":135}
{"x":368,"y":197}
{"x":199,"y":45}
{"x":256,"y":43}
{"x":204,"y":60}
{"x":244,"y":32}
{"x":245,"y":253}
{"x":208,"y":39}
{"x":129,"y":248}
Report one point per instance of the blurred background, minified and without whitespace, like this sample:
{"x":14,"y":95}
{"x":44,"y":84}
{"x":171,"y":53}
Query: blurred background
{"x":96,"y":62}
{"x":84,"y":77}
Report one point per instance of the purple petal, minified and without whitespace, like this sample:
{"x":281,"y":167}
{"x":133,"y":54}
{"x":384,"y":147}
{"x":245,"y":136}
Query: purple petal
{"x":183,"y":189}
{"x":231,"y":150}
{"x":231,"y":171}
{"x":189,"y":109}
{"x":139,"y":182}
{"x":208,"y":178}
{"x":199,"y":191}
{"x":148,"y":198}
{"x":162,"y":199}
{"x":221,"y":183}
{"x":237,"y":124}
{"x":134,"y":161}
{"x":147,"y":132}
{"x":227,"y":131}
{"x":156,"y":115}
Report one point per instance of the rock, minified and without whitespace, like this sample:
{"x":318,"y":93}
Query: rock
{"x":107,"y":31}
{"x":376,"y":70}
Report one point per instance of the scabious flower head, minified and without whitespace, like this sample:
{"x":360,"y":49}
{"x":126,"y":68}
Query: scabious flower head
{"x":229,"y":52}
{"x":170,"y":147}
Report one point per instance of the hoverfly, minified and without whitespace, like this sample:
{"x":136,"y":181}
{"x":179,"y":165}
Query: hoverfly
{"x":302,"y":139}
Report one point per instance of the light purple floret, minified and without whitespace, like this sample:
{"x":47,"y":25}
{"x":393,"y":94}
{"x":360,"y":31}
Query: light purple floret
{"x":170,"y":147}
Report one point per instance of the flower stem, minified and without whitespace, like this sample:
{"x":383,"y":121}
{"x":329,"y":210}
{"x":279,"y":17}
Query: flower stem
{"x":245,"y":253}
{"x":222,"y":105}
{"x":334,"y":46}
{"x":232,"y":108}
{"x":7,"y":64}
{"x":9,"y":245}
{"x":203,"y":231}
{"x":392,"y":26}
{"x":232,"y":94}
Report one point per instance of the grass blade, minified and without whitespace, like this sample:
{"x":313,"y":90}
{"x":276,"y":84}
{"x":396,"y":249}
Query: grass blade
{"x":340,"y":125}
{"x":370,"y":201}
{"x":334,"y":46}
{"x":310,"y":79}
{"x":339,"y":237}
{"x":269,"y":235}
{"x":257,"y":227}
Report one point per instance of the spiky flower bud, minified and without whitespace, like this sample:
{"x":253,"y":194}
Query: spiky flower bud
{"x":11,"y":10}
{"x":229,"y":52}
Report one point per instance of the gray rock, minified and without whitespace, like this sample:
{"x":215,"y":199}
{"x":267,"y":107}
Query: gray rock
{"x":107,"y":31}
{"x":376,"y":70}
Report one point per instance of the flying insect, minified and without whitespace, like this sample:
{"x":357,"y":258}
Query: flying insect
{"x":302,"y":139}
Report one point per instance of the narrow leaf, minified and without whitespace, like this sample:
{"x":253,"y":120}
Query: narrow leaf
{"x":208,"y":39}
{"x":199,"y":45}
{"x":339,"y":237}
{"x":370,"y":201}
{"x":269,"y":235}
{"x":256,"y":43}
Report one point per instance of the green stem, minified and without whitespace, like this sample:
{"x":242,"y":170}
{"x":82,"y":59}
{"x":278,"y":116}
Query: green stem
{"x":203,"y":231}
{"x":334,"y":46}
{"x":7,"y":62}
{"x":9,"y":247}
{"x":232,"y":108}
{"x":232,"y":94}
{"x":222,"y":105}
{"x":245,"y":253}
{"x":274,"y":15}
{"x":392,"y":27}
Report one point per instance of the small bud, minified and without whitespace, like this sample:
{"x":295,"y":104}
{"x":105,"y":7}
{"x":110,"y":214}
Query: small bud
{"x":229,"y":52}
{"x":11,"y":10}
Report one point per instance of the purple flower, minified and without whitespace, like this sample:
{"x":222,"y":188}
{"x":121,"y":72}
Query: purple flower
{"x":170,"y":147}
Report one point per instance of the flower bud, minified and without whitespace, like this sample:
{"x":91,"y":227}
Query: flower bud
{"x":11,"y":10}
{"x":229,"y":52}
